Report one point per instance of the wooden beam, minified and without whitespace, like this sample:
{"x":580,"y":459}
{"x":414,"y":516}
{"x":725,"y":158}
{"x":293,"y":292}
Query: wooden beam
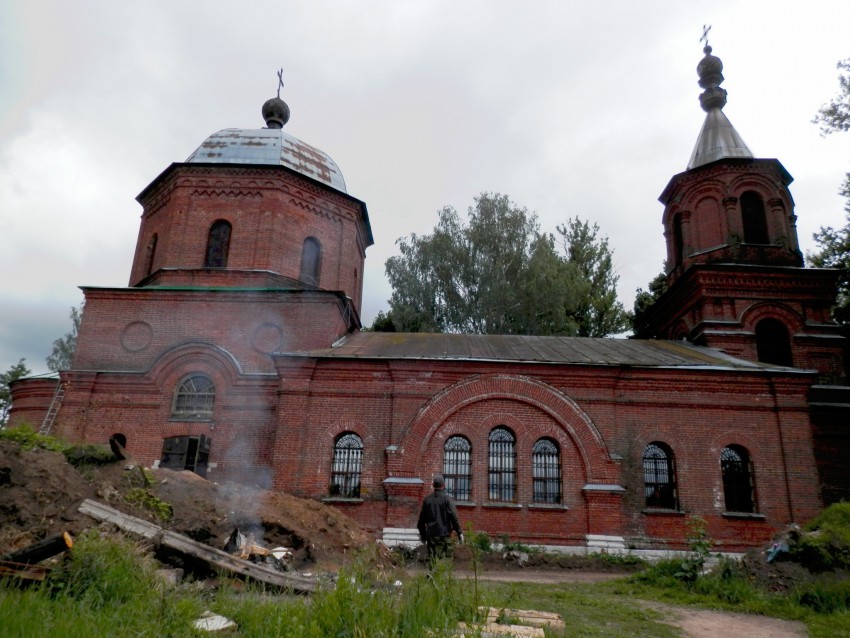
{"x":215,"y":558}
{"x":37,"y":552}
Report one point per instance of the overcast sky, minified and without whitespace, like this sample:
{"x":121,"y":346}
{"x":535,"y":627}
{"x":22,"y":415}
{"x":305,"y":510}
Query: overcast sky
{"x":569,"y":108}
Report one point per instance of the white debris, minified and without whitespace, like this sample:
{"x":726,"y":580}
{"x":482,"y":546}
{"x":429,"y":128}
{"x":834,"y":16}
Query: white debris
{"x":213,"y":622}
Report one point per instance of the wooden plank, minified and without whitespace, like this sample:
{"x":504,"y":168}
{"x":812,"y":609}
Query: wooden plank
{"x":494,"y":629}
{"x":525,"y":616}
{"x":22,"y":570}
{"x":101,"y":512}
{"x":184,"y":545}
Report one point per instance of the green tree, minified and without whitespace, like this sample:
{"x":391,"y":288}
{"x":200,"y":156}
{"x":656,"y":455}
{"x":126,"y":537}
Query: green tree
{"x":644,"y":299}
{"x":598,"y":313}
{"x":17,"y":371}
{"x":499,"y":274}
{"x":64,"y":347}
{"x":834,"y":244}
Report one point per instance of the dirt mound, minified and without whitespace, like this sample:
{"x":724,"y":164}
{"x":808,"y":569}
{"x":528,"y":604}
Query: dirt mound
{"x":40,"y":492}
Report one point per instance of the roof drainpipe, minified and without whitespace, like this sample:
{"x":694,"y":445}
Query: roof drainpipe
{"x":781,"y":447}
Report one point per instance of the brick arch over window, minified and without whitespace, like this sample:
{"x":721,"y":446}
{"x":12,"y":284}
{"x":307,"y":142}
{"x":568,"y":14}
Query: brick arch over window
{"x":221,"y":366}
{"x":563,"y":411}
{"x":756,"y":313}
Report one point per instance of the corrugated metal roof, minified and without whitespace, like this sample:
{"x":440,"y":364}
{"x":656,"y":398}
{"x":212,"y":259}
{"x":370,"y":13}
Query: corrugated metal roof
{"x":271,"y":147}
{"x":515,"y":348}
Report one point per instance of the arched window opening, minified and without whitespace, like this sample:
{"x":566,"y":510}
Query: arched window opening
{"x":773,"y":345}
{"x":194,"y":398}
{"x":118,"y":445}
{"x":546,"y":471}
{"x":753,"y":218}
{"x":186,"y":453}
{"x":659,"y":477}
{"x":151,"y":251}
{"x":678,"y":241}
{"x":457,"y":468}
{"x":502,"y":455}
{"x":311,"y":257}
{"x":347,"y":466}
{"x":738,"y":486}
{"x":218,"y":245}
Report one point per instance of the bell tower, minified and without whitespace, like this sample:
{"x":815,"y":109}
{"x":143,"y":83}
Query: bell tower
{"x":735,"y":273}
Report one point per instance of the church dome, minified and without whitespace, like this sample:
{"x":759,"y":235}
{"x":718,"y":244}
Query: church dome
{"x":270,"y":147}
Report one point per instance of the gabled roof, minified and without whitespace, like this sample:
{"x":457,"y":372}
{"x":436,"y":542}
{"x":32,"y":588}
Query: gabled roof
{"x":528,"y":349}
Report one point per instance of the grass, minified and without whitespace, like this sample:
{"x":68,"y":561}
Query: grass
{"x":107,"y":586}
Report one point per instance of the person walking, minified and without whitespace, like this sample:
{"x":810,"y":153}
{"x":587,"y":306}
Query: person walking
{"x":437,"y":520}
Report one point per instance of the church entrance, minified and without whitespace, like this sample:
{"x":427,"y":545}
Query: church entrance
{"x":186,"y":453}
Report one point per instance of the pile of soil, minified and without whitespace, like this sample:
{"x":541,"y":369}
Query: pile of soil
{"x":40,"y":492}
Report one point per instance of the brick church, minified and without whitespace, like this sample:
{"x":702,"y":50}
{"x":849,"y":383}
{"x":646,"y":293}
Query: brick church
{"x":236,"y":351}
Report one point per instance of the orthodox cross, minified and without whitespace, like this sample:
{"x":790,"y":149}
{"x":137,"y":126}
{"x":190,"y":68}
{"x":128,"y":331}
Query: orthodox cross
{"x":705,"y":30}
{"x":280,"y":80}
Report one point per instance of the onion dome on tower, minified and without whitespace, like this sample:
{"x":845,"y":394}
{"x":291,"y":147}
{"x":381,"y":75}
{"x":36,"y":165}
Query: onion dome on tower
{"x":718,"y":139}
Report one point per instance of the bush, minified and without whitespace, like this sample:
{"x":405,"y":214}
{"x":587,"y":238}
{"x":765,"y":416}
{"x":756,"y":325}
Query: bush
{"x":29,"y":439}
{"x":825,"y":543}
{"x":824,"y":595}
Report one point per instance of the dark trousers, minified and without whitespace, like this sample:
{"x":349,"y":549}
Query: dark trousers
{"x":438,"y":547}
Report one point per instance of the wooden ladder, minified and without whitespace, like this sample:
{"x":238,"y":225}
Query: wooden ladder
{"x":53,"y":410}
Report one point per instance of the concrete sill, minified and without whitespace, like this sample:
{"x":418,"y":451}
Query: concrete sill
{"x":464,"y":503}
{"x":558,"y":507}
{"x":660,"y":511}
{"x":506,"y":506}
{"x":339,"y":500}
{"x":744,"y":515}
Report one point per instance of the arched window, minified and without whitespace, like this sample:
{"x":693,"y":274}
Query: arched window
{"x":457,"y":468}
{"x":502,"y":455}
{"x":773,"y":344}
{"x":311,"y":257}
{"x":151,"y":251}
{"x":194,"y":398}
{"x":218,"y":245}
{"x":753,"y":218}
{"x":546,"y":471}
{"x":738,"y":486}
{"x":347,"y":466}
{"x":659,"y":476}
{"x":678,"y":241}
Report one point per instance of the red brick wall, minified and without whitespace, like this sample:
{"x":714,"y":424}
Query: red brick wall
{"x":601,"y":425}
{"x":271,"y":211}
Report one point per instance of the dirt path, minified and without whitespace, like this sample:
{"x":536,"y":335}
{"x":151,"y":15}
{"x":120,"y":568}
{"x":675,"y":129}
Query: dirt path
{"x":694,"y":623}
{"x":702,"y":623}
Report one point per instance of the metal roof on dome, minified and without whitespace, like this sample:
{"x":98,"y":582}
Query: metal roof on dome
{"x":717,"y":139}
{"x":270,"y":147}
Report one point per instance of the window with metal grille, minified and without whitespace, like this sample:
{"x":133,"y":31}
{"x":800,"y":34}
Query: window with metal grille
{"x":546,"y":471}
{"x":311,"y":256}
{"x":738,"y":487}
{"x":659,"y":476}
{"x":218,"y":245}
{"x":194,"y":398}
{"x":502,"y":455}
{"x":457,"y":468}
{"x":347,"y":466}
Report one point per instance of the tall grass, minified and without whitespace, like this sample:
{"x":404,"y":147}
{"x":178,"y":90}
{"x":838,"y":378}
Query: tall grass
{"x":108,"y":587}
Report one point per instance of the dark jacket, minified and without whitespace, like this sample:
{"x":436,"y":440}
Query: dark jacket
{"x":438,"y":516}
